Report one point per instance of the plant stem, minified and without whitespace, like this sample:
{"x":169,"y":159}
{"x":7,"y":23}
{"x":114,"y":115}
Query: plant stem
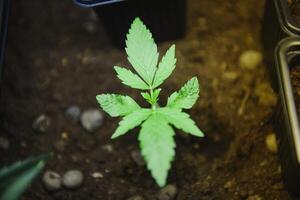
{"x":153,"y":106}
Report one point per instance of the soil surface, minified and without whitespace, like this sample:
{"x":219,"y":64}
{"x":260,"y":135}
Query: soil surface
{"x":295,"y":8}
{"x":59,"y":55}
{"x":295,"y":80}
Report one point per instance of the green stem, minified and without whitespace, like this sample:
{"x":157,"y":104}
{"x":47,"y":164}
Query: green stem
{"x":153,"y":106}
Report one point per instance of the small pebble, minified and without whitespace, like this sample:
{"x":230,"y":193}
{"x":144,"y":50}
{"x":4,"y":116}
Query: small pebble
{"x":23,"y":144}
{"x":91,"y":119}
{"x":90,"y":27}
{"x":51,"y":180}
{"x":169,"y":192}
{"x":76,"y":158}
{"x":64,"y":135}
{"x":97,"y":175}
{"x":136,"y":197}
{"x":41,"y":123}
{"x":254,"y":197}
{"x":108,"y":147}
{"x":265,"y":94}
{"x":271,"y":143}
{"x":72,"y":179}
{"x":73,"y":113}
{"x":250,"y":59}
{"x":137,"y":158}
{"x":4,"y":143}
{"x":228,"y":185}
{"x":230,"y":75}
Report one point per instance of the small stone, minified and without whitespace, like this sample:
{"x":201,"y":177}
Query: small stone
{"x":72,"y":179}
{"x":73,"y":113}
{"x":271,"y":143}
{"x":254,"y":197}
{"x":137,"y":158}
{"x":97,"y":175}
{"x":77,"y":158}
{"x":51,"y":180}
{"x":64,"y":135}
{"x":265,"y":94}
{"x":263,"y":163}
{"x":278,"y":186}
{"x":250,"y":59}
{"x":167,"y":193}
{"x":228,"y":184}
{"x":41,"y":123}
{"x":108,"y":147}
{"x":90,"y":27}
{"x":230,"y":75}
{"x":60,"y":145}
{"x":4,"y":143}
{"x":91,"y":119}
{"x":23,"y":144}
{"x":136,"y":197}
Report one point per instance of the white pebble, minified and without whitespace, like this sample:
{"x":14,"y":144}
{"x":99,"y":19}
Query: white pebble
{"x":91,"y":119}
{"x":250,"y":59}
{"x":41,"y":123}
{"x":97,"y":175}
{"x":72,"y":179}
{"x":51,"y":180}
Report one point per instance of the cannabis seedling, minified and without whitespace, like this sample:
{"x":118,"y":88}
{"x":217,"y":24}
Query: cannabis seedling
{"x":156,"y":135}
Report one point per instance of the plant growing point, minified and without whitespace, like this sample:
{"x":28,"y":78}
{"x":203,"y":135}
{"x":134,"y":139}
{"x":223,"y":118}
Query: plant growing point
{"x":156,"y":136}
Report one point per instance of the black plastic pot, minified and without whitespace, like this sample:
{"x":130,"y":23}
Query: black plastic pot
{"x":4,"y":10}
{"x":287,"y":120}
{"x":277,"y":24}
{"x":92,"y":3}
{"x":165,"y":18}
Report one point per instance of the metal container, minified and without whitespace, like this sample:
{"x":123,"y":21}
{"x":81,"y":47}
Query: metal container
{"x":286,"y":118}
{"x":277,"y":24}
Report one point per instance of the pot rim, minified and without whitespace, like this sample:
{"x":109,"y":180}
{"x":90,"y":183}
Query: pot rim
{"x":285,"y":18}
{"x":286,"y":90}
{"x":93,"y":3}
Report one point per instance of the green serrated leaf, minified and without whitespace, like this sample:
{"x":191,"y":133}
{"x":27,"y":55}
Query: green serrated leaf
{"x":117,"y":105}
{"x":15,"y":179}
{"x":180,"y":120}
{"x":151,"y":99}
{"x":129,"y":78}
{"x":157,"y":145}
{"x":131,"y":121}
{"x":156,"y":93}
{"x":186,"y":97}
{"x":146,"y":96}
{"x":165,"y":67}
{"x":142,"y":51}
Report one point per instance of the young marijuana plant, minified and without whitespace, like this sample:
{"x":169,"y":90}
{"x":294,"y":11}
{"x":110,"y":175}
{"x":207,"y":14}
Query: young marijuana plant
{"x":156,"y":136}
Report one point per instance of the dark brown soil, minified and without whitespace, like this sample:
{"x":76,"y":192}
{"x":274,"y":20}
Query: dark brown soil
{"x":295,"y":9}
{"x":53,"y":62}
{"x":295,"y":80}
